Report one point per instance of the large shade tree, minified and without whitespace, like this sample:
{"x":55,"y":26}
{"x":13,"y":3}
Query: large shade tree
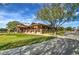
{"x":57,"y":14}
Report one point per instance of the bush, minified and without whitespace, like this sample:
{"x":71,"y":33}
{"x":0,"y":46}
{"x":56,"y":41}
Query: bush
{"x":2,"y":30}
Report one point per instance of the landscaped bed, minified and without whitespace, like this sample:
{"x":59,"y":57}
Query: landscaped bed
{"x":8,"y":41}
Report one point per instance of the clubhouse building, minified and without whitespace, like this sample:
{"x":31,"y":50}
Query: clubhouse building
{"x":37,"y":28}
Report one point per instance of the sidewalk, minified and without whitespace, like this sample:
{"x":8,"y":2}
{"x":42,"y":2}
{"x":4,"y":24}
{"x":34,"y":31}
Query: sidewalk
{"x":71,"y":37}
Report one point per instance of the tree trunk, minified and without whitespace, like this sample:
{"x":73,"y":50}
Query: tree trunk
{"x":8,"y":31}
{"x":55,"y":31}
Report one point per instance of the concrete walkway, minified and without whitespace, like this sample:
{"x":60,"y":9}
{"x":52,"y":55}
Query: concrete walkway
{"x":64,"y":36}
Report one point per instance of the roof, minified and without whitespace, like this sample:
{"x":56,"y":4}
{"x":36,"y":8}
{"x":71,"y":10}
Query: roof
{"x":38,"y":24}
{"x":33,"y":24}
{"x":21,"y":26}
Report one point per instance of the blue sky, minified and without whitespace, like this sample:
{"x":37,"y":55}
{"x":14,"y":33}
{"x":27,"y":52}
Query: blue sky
{"x":24,"y":13}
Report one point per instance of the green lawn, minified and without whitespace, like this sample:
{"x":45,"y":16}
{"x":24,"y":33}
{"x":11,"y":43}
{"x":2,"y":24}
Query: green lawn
{"x":8,"y":41}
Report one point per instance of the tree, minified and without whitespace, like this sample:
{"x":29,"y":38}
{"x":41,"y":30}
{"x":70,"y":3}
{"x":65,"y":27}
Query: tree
{"x":12,"y":25}
{"x":57,"y":14}
{"x":3,"y":30}
{"x":69,"y":28}
{"x":61,"y":28}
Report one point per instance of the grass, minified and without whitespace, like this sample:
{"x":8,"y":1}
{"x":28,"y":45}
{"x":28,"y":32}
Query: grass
{"x":8,"y":41}
{"x":60,"y":33}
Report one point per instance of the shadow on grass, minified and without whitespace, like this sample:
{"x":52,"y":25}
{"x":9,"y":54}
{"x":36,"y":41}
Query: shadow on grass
{"x":24,"y":42}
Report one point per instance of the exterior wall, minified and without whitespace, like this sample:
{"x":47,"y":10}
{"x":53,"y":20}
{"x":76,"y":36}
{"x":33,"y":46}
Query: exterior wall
{"x":34,"y":29}
{"x":38,"y":29}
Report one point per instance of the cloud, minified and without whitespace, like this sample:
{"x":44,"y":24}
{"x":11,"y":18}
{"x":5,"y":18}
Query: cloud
{"x":29,"y":19}
{"x":27,"y":9}
{"x":77,"y":13}
{"x":72,"y":24}
{"x":5,"y":4}
{"x":13,"y":12}
{"x":4,"y":22}
{"x":6,"y":17}
{"x":13,"y":15}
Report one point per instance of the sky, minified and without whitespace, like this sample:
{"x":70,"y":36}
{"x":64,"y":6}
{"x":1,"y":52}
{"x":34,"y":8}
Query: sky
{"x":24,"y":13}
